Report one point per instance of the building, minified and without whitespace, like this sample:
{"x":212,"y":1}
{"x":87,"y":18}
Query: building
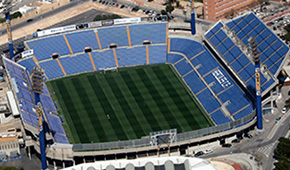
{"x":161,"y":163}
{"x":215,"y":10}
{"x":9,"y":147}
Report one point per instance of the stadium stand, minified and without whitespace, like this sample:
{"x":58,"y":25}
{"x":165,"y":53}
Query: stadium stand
{"x":101,"y":60}
{"x":219,"y":117}
{"x":76,"y":64}
{"x":116,"y":35}
{"x":56,"y":128}
{"x":20,"y":79}
{"x":51,"y":69}
{"x":79,"y":40}
{"x":231,"y":39}
{"x":28,"y":63}
{"x":210,"y":83}
{"x":44,"y":47}
{"x":104,"y":59}
{"x":206,"y":78}
{"x":157,"y":54}
{"x":155,"y":32}
{"x":22,"y":83}
{"x":131,"y":56}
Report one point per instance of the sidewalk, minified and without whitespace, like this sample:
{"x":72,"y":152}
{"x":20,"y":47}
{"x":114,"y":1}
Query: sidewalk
{"x":243,"y":159}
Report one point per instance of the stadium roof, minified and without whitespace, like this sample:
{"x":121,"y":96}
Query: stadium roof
{"x":230,"y":41}
{"x":162,"y":163}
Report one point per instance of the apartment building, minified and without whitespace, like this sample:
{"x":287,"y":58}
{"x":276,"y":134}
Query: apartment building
{"x":215,"y":10}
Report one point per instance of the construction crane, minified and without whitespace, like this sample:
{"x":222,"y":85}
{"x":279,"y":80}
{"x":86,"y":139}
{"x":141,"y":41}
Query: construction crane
{"x":37,"y":88}
{"x":6,"y":6}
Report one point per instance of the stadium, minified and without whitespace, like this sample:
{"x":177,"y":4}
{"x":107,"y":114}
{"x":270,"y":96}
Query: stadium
{"x":127,"y":88}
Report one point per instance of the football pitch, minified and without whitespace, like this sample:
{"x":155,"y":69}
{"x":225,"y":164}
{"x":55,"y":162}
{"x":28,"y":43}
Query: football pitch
{"x":125,"y":104}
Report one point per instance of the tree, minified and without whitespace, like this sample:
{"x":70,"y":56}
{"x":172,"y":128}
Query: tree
{"x":230,"y":13}
{"x":14,"y":15}
{"x":163,"y":12}
{"x":171,"y":1}
{"x":177,"y":4}
{"x":282,"y":154}
{"x":169,"y":8}
{"x":287,"y":35}
{"x":105,"y":17}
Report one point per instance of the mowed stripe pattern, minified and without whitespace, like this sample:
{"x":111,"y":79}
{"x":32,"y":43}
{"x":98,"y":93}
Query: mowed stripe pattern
{"x":127,"y":104}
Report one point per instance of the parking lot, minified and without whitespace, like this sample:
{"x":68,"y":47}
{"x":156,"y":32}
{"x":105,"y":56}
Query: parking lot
{"x":156,"y":16}
{"x":275,"y":15}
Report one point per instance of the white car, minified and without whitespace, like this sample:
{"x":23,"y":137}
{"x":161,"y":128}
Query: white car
{"x":208,"y":151}
{"x":284,"y":110}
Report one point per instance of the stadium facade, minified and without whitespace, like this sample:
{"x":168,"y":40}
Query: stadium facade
{"x":165,"y":163}
{"x":217,"y":71}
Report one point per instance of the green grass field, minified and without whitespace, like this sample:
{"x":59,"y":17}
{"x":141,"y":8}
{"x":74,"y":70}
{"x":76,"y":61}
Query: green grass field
{"x":127,"y":104}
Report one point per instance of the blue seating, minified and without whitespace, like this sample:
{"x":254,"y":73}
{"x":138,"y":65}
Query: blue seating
{"x":215,"y":28}
{"x":51,"y":69}
{"x":26,"y":101}
{"x":131,"y":56}
{"x":54,"y":120}
{"x":173,"y":58}
{"x":44,"y":47}
{"x":268,"y":45}
{"x":60,"y":138}
{"x":243,"y":112}
{"x":236,"y":102}
{"x":47,"y":103}
{"x":216,"y":78}
{"x":28,"y":63}
{"x":194,"y":82}
{"x":155,"y":32}
{"x":76,"y":64}
{"x":104,"y":59}
{"x":157,"y":54}
{"x":208,"y":101}
{"x":205,"y":66}
{"x":264,"y":37}
{"x":81,"y":39}
{"x":188,"y":47}
{"x":219,"y":118}
{"x":17,"y":73}
{"x":113,"y":35}
{"x":216,"y":86}
{"x":183,"y":67}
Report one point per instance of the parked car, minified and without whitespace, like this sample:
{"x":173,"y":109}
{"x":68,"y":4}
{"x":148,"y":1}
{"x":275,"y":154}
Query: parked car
{"x":236,"y":141}
{"x":248,"y":136}
{"x":29,"y":20}
{"x":227,"y":145}
{"x":135,"y":9}
{"x":199,"y":153}
{"x":284,"y":110}
{"x":208,"y":151}
{"x":277,"y":119}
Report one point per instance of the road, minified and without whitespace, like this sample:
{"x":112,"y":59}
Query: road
{"x":260,"y":143}
{"x":43,"y":16}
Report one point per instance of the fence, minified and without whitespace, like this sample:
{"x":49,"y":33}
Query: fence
{"x":137,"y":143}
